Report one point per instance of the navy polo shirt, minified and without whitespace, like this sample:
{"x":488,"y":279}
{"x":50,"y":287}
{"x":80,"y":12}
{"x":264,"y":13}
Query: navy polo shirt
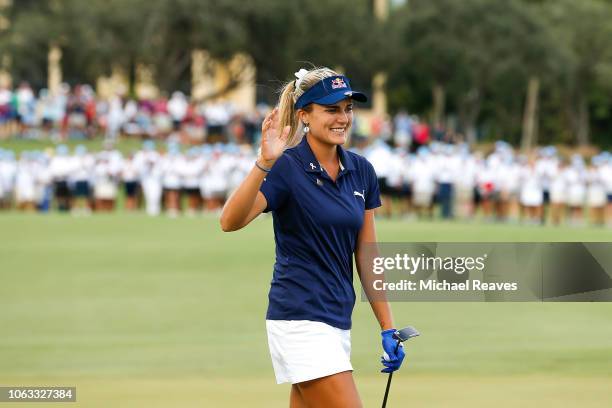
{"x":316,"y":224}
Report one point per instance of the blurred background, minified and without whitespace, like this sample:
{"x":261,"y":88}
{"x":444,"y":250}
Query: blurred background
{"x":494,"y":109}
{"x":127,"y":123}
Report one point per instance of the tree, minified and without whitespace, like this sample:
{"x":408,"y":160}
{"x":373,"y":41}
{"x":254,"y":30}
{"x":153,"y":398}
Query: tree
{"x":25,"y":42}
{"x":285,"y":36}
{"x":477,"y":56}
{"x":98,"y":35}
{"x":584,"y":29}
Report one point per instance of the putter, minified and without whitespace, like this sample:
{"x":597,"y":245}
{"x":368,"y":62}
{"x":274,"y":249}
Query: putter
{"x":401,"y":335}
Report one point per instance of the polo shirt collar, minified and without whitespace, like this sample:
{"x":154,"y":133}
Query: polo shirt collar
{"x":311,"y":164}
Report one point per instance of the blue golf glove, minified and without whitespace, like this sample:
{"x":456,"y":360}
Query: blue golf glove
{"x":391,"y":359}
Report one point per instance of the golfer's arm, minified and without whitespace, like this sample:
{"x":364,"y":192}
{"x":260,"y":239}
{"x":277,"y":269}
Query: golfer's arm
{"x":246,"y":203}
{"x":364,"y":254}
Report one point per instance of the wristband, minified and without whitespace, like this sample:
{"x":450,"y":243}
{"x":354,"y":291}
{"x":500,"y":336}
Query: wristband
{"x":265,"y":170}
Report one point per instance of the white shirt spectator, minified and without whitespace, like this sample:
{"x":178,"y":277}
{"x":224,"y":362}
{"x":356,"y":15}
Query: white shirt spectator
{"x":25,"y":182}
{"x":448,"y":168}
{"x":82,"y":167}
{"x":576,"y":186}
{"x":423,"y":176}
{"x":380,"y":156}
{"x":395,"y":173}
{"x":61,"y":167}
{"x":214,"y":181}
{"x":178,"y":106}
{"x":558,"y":186}
{"x":606,"y":176}
{"x":532,"y":193}
{"x":596,"y":190}
{"x":151,"y":180}
{"x":129,"y":171}
{"x":105,"y":185}
{"x":171,"y":171}
{"x":190,"y":171}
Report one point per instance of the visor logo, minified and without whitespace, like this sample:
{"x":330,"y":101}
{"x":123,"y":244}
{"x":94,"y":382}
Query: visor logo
{"x":338,"y":83}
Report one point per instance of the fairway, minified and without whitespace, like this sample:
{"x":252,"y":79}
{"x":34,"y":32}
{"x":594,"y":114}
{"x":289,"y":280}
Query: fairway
{"x":157,"y":312}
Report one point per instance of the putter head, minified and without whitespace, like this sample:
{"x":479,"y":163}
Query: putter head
{"x":406,"y":333}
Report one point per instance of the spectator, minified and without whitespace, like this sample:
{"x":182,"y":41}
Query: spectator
{"x":596,"y":191}
{"x":171,"y":181}
{"x":6,"y":112}
{"x":403,"y":130}
{"x":190,"y":171}
{"x":81,"y":179}
{"x":177,"y":108}
{"x":61,"y":167}
{"x":129,"y":177}
{"x":149,"y":163}
{"x":105,"y":184}
{"x":532,"y":193}
{"x":115,"y":118}
{"x":423,"y":183}
{"x":576,"y":179}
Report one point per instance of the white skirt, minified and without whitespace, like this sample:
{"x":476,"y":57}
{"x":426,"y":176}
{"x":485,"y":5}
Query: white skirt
{"x":105,"y":190}
{"x":558,"y":195}
{"x":304,"y":350}
{"x":576,"y":195}
{"x":531,"y":197}
{"x":596,"y":197}
{"x":25,"y":193}
{"x":422,"y":198}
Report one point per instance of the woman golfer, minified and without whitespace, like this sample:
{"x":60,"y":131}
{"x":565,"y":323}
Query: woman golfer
{"x":322,"y":200}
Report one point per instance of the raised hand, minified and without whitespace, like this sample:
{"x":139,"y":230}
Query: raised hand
{"x":273,"y":138}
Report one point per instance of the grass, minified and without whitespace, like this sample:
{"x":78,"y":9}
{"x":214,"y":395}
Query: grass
{"x":142,"y":312}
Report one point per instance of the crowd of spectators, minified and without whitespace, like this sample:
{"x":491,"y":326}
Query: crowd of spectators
{"x":501,"y":186}
{"x":423,"y":170}
{"x":439,"y":180}
{"x":80,"y":182}
{"x":76,"y":113}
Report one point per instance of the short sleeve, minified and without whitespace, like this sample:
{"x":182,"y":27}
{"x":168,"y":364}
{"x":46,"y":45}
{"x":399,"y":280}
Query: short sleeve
{"x":372,"y":196}
{"x":275,"y":186}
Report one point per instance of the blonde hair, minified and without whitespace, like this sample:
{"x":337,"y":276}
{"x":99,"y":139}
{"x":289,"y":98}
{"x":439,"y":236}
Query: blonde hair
{"x":290,"y":94}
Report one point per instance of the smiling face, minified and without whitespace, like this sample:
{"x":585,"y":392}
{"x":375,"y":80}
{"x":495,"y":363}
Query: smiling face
{"x":329,"y":124}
